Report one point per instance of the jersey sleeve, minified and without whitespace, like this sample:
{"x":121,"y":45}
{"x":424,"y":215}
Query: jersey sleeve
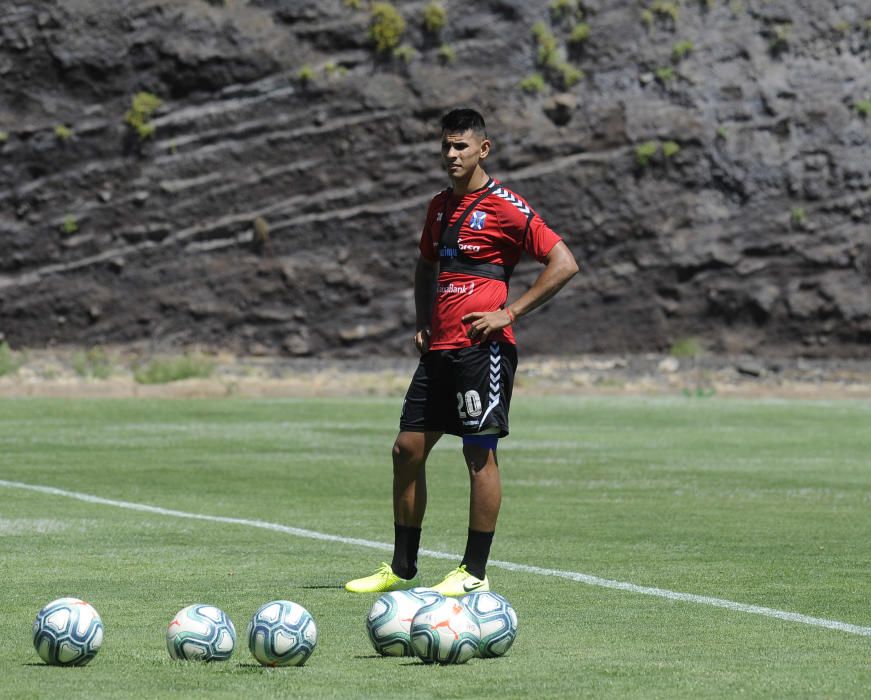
{"x":540,"y":238}
{"x":531,"y":233}
{"x":428,"y":245}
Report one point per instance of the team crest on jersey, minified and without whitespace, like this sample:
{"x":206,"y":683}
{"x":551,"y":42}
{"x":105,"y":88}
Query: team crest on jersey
{"x":477,"y":221}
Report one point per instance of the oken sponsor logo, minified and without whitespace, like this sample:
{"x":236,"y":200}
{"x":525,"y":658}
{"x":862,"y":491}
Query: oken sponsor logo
{"x":451,"y":288}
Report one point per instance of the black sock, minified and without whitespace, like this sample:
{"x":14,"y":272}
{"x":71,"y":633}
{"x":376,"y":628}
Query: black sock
{"x":406,"y":541}
{"x":477,"y":552}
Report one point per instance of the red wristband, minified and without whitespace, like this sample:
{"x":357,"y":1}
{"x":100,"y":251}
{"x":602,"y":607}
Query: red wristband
{"x":511,"y":315}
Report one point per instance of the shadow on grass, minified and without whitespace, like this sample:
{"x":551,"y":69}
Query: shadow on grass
{"x":37,"y":664}
{"x":250,"y":667}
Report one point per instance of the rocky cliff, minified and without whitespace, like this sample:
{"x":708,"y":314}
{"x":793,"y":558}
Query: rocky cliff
{"x":253,"y":175}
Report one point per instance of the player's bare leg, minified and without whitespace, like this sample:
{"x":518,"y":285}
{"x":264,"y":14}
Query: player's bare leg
{"x":485,"y":494}
{"x":485,"y":499}
{"x":410,"y":452}
{"x":409,"y":506}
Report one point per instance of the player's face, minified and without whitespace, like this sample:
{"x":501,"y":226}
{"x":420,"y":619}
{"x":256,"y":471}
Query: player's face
{"x":461,"y":153}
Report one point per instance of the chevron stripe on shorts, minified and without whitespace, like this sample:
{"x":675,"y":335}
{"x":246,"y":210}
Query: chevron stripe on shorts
{"x":495,"y":389}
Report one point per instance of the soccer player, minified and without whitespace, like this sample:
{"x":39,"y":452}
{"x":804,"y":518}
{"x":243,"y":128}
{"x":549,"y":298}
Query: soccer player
{"x":474,"y":235}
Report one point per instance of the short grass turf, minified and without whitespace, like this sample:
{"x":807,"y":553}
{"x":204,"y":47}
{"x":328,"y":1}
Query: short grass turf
{"x":760,"y":502}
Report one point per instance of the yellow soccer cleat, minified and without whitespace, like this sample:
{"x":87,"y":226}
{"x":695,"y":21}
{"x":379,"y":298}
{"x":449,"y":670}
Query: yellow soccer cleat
{"x":382,"y":581}
{"x":460,"y":582}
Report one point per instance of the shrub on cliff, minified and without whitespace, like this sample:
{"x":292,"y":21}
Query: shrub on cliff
{"x":387,"y":26}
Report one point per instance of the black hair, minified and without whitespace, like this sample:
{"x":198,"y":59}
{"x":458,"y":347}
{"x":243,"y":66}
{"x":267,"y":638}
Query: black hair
{"x":459,"y":120}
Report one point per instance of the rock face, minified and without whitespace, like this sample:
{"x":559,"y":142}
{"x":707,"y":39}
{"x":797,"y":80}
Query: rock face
{"x":711,"y":170}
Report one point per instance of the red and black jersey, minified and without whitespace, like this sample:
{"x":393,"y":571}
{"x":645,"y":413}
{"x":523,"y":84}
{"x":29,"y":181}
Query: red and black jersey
{"x":490,"y":239}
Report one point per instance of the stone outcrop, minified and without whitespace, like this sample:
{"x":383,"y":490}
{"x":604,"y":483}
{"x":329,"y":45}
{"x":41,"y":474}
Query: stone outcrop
{"x":711,"y":170}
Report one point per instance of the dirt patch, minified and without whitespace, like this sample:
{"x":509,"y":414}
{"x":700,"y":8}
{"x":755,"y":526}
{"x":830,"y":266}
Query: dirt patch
{"x":62,"y":374}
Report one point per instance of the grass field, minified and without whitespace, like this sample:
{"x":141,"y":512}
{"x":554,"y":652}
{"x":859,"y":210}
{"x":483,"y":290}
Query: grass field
{"x":764,"y":503}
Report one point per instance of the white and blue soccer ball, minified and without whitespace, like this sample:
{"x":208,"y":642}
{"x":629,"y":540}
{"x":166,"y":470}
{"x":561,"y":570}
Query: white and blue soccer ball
{"x":496,"y":619}
{"x":67,"y":632}
{"x":389,"y":621}
{"x":201,"y":633}
{"x":282,"y":633}
{"x":445,"y":632}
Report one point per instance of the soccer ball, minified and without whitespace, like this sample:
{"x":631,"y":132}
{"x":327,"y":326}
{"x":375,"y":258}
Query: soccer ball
{"x":282,"y":633}
{"x":201,"y":633}
{"x":445,"y":632}
{"x":496,"y":619}
{"x":389,"y":620}
{"x":67,"y":632}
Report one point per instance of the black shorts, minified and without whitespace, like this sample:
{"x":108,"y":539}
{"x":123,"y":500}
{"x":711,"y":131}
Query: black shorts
{"x":461,"y":391}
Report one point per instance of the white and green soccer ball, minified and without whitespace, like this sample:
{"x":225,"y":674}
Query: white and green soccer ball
{"x":282,"y":633}
{"x":496,"y":619}
{"x":445,"y":632}
{"x":201,"y":633}
{"x":67,"y":632}
{"x":389,"y":621}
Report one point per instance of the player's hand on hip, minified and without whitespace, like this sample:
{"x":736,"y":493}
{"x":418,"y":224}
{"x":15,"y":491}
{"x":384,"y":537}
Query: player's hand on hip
{"x":483,"y":323}
{"x":421,"y":340}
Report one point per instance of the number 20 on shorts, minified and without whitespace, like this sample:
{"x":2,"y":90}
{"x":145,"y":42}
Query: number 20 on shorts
{"x":471,"y":402}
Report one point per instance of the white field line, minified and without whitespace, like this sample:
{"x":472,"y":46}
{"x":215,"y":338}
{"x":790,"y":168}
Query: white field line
{"x":510,"y":566}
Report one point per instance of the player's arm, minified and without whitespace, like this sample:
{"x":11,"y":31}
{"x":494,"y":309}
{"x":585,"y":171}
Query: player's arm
{"x":559,"y":267}
{"x":425,"y":276}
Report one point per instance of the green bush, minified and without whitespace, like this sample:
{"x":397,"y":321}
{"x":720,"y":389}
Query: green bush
{"x":555,"y":69}
{"x":670,"y":148}
{"x":405,"y":52}
{"x":9,"y":361}
{"x":685,"y":348}
{"x":798,"y":216}
{"x":580,"y":34}
{"x":447,"y":54}
{"x":387,"y":26}
{"x":63,"y":132}
{"x":780,"y":38}
{"x":92,"y":363}
{"x":645,"y":152}
{"x":533,"y":84}
{"x":4,"y":136}
{"x":560,"y":9}
{"x":353,"y":4}
{"x":569,"y":75}
{"x":681,"y":49}
{"x":69,"y":225}
{"x":664,"y":8}
{"x":173,"y":369}
{"x":306,"y":74}
{"x":332,"y":69}
{"x":863,"y":107}
{"x":434,"y":17}
{"x":664,"y":74}
{"x":563,"y":7}
{"x":548,"y":53}
{"x":142,"y":107}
